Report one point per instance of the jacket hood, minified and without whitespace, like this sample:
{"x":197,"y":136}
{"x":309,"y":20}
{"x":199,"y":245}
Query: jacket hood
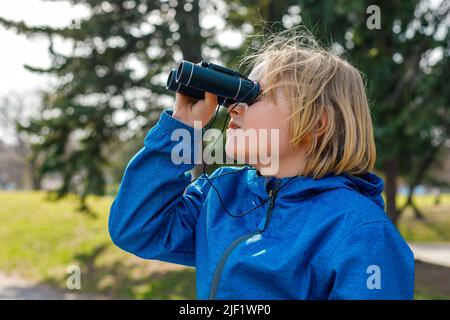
{"x":368,"y":184}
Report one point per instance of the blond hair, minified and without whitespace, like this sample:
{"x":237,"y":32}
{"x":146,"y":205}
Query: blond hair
{"x":315,"y":80}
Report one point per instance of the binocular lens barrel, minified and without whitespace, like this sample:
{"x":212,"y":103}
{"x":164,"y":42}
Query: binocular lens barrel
{"x":194,"y":79}
{"x":177,"y":87}
{"x":194,"y":93}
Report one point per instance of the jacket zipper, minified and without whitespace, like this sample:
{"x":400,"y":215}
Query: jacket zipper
{"x":269,"y":209}
{"x":235,"y":243}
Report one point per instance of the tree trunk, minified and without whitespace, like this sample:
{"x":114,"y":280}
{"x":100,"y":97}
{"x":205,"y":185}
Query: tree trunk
{"x":390,"y":167}
{"x":34,"y":175}
{"x":437,"y":199}
{"x":424,"y":166}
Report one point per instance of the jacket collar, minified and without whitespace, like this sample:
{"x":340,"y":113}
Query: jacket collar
{"x":298,"y":187}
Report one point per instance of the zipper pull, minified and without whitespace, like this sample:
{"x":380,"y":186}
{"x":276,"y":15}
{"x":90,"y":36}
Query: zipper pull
{"x":272,"y":198}
{"x":267,"y":217}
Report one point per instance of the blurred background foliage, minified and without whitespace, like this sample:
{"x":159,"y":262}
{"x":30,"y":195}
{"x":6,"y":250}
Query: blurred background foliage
{"x":111,"y":90}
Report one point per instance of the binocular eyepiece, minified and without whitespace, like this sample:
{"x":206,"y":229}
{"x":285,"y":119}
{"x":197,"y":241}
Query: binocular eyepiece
{"x":229,"y":85}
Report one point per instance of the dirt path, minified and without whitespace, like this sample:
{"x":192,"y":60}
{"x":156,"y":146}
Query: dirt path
{"x":432,"y":267}
{"x":13,"y":287}
{"x":435,"y":253}
{"x":433,"y":278}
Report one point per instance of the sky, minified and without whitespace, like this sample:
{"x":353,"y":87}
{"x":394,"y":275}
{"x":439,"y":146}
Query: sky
{"x":17,"y":50}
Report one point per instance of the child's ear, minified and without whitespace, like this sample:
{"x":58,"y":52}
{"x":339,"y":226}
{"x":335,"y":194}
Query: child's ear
{"x":322,"y":125}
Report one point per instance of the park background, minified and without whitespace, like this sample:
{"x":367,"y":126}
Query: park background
{"x":82,"y":81}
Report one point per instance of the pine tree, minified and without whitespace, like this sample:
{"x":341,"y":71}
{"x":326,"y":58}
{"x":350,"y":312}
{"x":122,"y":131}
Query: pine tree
{"x":111,"y":86}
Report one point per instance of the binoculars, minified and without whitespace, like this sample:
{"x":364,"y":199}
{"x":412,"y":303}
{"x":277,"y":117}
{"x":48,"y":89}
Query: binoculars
{"x":229,"y":85}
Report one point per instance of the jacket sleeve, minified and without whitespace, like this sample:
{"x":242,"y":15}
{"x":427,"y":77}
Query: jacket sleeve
{"x":372,"y":262}
{"x":155,"y":212}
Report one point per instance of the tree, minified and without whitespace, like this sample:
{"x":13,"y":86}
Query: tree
{"x":433,"y":146}
{"x":15,"y":111}
{"x":112,"y":85}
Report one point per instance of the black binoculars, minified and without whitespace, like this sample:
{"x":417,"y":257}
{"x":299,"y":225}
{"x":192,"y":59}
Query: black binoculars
{"x":229,"y":85}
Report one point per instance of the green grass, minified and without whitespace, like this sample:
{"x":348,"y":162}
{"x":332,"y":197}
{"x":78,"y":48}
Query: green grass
{"x":436,"y":225}
{"x":423,"y":294}
{"x":40,"y":238}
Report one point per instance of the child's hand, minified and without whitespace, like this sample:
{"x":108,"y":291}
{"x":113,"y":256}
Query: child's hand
{"x":188,"y":109}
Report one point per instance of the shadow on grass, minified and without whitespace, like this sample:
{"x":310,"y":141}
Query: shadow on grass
{"x":119,"y":280}
{"x":82,"y":207}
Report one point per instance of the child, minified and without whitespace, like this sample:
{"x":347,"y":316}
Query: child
{"x":315,"y":229}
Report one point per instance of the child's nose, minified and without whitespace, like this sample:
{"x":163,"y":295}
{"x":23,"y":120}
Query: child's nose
{"x":238,"y":109}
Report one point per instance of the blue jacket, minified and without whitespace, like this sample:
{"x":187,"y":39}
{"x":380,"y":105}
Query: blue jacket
{"x":325,"y":238}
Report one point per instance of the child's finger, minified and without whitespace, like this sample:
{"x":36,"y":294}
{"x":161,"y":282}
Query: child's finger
{"x":211,"y":101}
{"x":185,"y":98}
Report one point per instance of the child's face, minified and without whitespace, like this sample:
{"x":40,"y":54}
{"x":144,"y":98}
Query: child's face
{"x":265,"y":115}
